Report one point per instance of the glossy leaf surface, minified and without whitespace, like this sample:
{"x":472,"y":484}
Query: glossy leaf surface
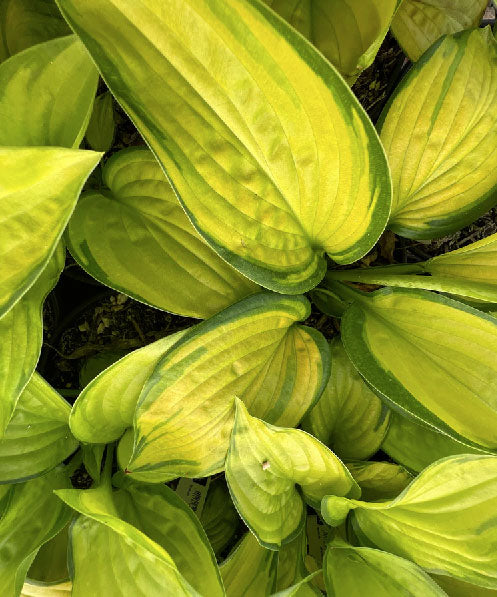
{"x":105,"y":408}
{"x":439,"y":137}
{"x":348,"y":32}
{"x":21,"y":332}
{"x":416,"y":446}
{"x":136,"y":238}
{"x":274,"y":169}
{"x":430,"y":356}
{"x":263,"y":467}
{"x":47,"y":94}
{"x":37,"y":437}
{"x":360,"y":570}
{"x":250,"y":569}
{"x":349,"y":417}
{"x":37,"y":196}
{"x":33,"y":515}
{"x":25,"y":23}
{"x":444,"y":521}
{"x":420,"y":23}
{"x":253,"y":350}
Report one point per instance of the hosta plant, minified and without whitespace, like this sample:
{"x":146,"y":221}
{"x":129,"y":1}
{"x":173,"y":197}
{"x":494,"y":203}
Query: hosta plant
{"x":247,"y":454}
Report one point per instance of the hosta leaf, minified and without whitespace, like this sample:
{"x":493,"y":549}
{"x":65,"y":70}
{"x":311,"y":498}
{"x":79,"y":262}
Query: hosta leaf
{"x":50,"y":563}
{"x":360,"y":570}
{"x":47,"y":94}
{"x":137,"y":239}
{"x":219,"y":517}
{"x":21,"y":333}
{"x":105,"y":408}
{"x":444,"y":521}
{"x":101,"y":127}
{"x":25,"y":23}
{"x":379,"y":480}
{"x":293,"y":577}
{"x":263,"y":468}
{"x":37,"y":195}
{"x":430,"y":356}
{"x":34,"y":589}
{"x":439,"y":137}
{"x":250,"y":569}
{"x":33,"y":516}
{"x":349,"y":417}
{"x":457,"y":588}
{"x":348,"y":32}
{"x":163,"y":516}
{"x":419,"y":23}
{"x":270,"y":153}
{"x":37,"y":437}
{"x":253,"y":350}
{"x":118,"y":561}
{"x":416,"y":446}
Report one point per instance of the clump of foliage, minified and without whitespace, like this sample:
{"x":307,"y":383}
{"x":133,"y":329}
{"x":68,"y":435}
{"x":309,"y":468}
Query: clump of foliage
{"x":241,"y":456}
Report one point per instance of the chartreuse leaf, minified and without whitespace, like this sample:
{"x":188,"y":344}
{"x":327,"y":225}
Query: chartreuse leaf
{"x":439,"y":138}
{"x":24,"y":23}
{"x":165,"y":518}
{"x":347,"y":32}
{"x":274,"y":169}
{"x":263,"y":468}
{"x":139,"y":565}
{"x":350,"y":571}
{"x":253,"y":350}
{"x":101,"y":127}
{"x":34,"y":589}
{"x":444,"y":521}
{"x":219,"y":517}
{"x":136,"y":238}
{"x":47,"y":94}
{"x":419,"y":23}
{"x":32,"y":517}
{"x":430,"y":356}
{"x":37,"y":195}
{"x":349,"y":418}
{"x":37,"y":437}
{"x":21,"y":333}
{"x":457,"y":588}
{"x":104,"y":409}
{"x":50,"y":564}
{"x":250,"y":569}
{"x":416,"y":446}
{"x":379,"y":480}
{"x":292,"y":576}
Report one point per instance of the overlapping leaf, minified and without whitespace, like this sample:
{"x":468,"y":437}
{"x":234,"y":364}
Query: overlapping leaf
{"x":137,"y":239}
{"x":439,"y":134}
{"x":263,"y":468}
{"x":24,"y":23}
{"x":253,"y":350}
{"x":50,"y":563}
{"x":47,"y":94}
{"x":105,"y":408}
{"x":219,"y":517}
{"x":33,"y":515}
{"x":420,"y":23}
{"x":349,"y":417}
{"x":274,"y":169}
{"x":347,"y":32}
{"x":37,"y":195}
{"x":417,"y":446}
{"x":101,"y":127}
{"x":34,"y":589}
{"x":360,"y":570}
{"x":292,"y":575}
{"x":429,"y":355}
{"x":37,"y":437}
{"x":444,"y":521}
{"x":21,"y":332}
{"x":379,"y":480}
{"x":250,"y":569}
